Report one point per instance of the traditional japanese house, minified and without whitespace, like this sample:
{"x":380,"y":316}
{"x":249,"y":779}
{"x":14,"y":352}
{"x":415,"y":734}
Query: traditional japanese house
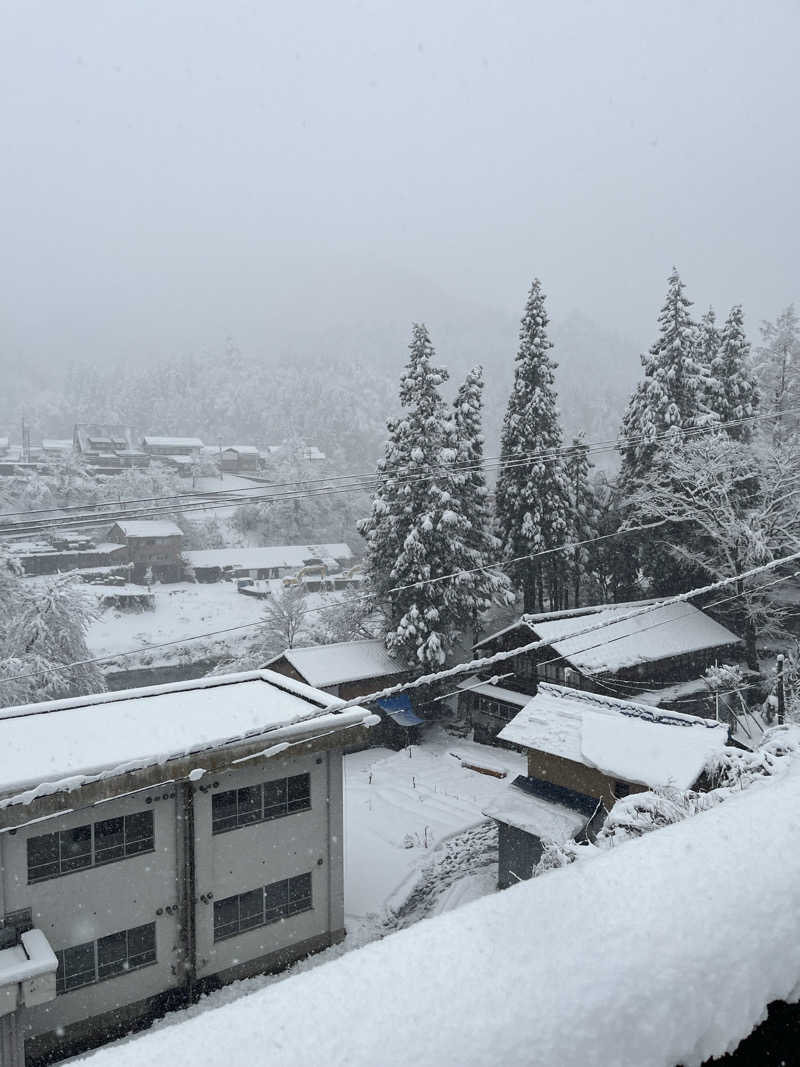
{"x":240,"y":458}
{"x":585,"y":751}
{"x":153,"y":545}
{"x":352,"y":669}
{"x":262,"y":562}
{"x":597,"y":649}
{"x":158,"y":843}
{"x":172,"y":446}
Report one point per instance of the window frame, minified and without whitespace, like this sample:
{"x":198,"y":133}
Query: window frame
{"x":291,"y":896}
{"x":277,"y":809}
{"x":122,"y":963}
{"x":57,"y":867}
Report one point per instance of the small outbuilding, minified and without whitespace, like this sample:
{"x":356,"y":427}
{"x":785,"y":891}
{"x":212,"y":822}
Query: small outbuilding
{"x":352,"y":669}
{"x":586,"y":751}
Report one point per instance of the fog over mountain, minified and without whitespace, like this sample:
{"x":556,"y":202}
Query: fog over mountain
{"x":310,"y":180}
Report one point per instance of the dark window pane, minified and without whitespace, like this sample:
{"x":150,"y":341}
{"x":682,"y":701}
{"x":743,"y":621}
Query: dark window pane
{"x":76,"y":848}
{"x":112,"y":954}
{"x":142,"y":945}
{"x":223,"y":811}
{"x":251,"y":909}
{"x":138,"y":833}
{"x":248,"y":804}
{"x":275,"y":901}
{"x":299,"y":894}
{"x":79,"y":965}
{"x":274,"y":798}
{"x":43,"y":857}
{"x":299,"y":792}
{"x":226,"y":917}
{"x":109,"y":840}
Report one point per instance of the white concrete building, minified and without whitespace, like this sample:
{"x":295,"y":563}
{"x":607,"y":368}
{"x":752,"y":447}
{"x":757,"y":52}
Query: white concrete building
{"x":159,"y":842}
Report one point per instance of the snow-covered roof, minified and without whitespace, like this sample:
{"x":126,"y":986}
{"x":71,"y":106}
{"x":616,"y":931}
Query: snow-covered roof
{"x":545,"y":819}
{"x":623,"y":739}
{"x":243,"y":450}
{"x":345,"y":661}
{"x":664,"y":631}
{"x":148,"y":528}
{"x":63,"y":744}
{"x":172,"y":442}
{"x":659,"y":951}
{"x":267,"y":556}
{"x":494,"y":692}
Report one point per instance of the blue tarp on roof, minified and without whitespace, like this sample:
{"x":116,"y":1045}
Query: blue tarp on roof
{"x":400,"y":709}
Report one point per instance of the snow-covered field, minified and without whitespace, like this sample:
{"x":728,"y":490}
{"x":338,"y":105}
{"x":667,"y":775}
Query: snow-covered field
{"x":241,"y":489}
{"x":183,"y":610}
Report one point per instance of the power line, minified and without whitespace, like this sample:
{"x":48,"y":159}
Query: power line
{"x":358,"y":483}
{"x":312,"y":611}
{"x":500,"y":657}
{"x":462,"y":668}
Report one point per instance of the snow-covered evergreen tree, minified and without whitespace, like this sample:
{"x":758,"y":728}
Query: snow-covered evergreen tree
{"x":779,"y":374}
{"x":418,"y":529}
{"x":531,"y":494}
{"x":707,"y":339}
{"x":482,"y":547}
{"x":734,"y":392}
{"x":405,"y":543}
{"x":583,"y":517}
{"x":671,"y":395}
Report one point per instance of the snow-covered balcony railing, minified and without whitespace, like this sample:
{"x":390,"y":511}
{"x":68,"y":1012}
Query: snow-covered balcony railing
{"x":27,"y":973}
{"x":665,"y":950}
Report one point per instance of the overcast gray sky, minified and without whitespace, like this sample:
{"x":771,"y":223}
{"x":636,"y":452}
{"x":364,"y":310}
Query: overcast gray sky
{"x":176,"y":171}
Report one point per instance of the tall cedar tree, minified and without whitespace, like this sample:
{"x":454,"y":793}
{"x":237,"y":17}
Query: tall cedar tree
{"x":734,"y":389}
{"x":779,"y":374}
{"x":417,"y":529}
{"x":532,"y":500}
{"x":481,"y":546}
{"x":583,"y":517}
{"x":671,"y":395}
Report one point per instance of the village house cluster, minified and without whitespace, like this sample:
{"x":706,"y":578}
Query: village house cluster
{"x":108,"y":449}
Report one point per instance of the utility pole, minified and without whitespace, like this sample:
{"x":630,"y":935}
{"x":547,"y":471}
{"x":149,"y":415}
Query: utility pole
{"x":781,"y":694}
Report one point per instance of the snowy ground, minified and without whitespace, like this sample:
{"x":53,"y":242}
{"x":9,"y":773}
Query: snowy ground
{"x":394,"y":804}
{"x":401,"y":811}
{"x":244,"y":488}
{"x":183,"y":610}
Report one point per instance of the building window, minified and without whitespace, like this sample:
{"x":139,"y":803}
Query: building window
{"x":258,"y":803}
{"x":51,"y":855}
{"x":260,"y":907}
{"x":116,"y":954}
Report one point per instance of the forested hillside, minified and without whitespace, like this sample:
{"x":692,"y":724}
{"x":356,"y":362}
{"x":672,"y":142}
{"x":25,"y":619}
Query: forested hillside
{"x":319,"y":395}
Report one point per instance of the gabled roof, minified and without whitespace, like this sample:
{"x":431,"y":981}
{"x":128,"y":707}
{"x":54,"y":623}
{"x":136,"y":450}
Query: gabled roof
{"x":664,"y":631}
{"x":104,"y":434}
{"x":267,"y":556}
{"x":64,"y":744}
{"x":345,"y":661}
{"x":148,"y":528}
{"x":173,"y":442}
{"x":243,"y":450}
{"x":621,"y":738}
